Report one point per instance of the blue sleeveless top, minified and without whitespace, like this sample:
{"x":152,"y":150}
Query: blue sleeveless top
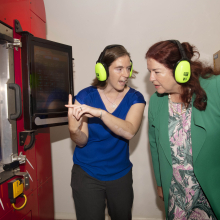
{"x":106,"y":155}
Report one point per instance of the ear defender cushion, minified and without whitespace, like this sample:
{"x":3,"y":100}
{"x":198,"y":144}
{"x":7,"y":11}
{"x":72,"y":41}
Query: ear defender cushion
{"x":182,"y":71}
{"x":100,"y":72}
{"x":131,"y":71}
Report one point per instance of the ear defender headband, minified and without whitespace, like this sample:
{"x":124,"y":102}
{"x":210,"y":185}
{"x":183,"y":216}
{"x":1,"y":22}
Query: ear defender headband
{"x":182,"y":71}
{"x":101,"y":68}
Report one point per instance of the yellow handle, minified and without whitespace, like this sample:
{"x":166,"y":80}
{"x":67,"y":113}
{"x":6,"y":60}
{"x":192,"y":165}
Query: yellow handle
{"x":22,"y":205}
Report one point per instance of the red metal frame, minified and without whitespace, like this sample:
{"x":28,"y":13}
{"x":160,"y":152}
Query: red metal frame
{"x":32,"y":17}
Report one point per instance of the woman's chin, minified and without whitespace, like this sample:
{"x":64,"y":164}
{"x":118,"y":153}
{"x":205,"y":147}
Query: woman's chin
{"x":160,"y":92}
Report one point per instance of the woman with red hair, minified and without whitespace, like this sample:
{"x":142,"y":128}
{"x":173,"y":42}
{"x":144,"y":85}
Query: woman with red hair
{"x":184,"y":131}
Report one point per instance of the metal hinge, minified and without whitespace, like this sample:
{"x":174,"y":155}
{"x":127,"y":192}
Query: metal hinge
{"x":21,"y":158}
{"x":26,"y":180}
{"x":17,"y":43}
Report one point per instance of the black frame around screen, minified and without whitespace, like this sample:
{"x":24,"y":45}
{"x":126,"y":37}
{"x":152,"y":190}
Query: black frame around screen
{"x":30,"y":81}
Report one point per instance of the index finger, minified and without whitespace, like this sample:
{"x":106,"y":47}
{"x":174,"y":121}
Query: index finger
{"x":70,"y":102}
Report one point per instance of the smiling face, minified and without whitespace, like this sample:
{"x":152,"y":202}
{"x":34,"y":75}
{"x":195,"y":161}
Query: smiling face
{"x":119,"y":72}
{"x":162,"y":77}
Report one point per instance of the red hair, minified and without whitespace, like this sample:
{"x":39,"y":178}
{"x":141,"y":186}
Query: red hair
{"x":168,"y":54}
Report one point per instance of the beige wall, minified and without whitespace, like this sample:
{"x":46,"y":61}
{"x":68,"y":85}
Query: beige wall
{"x":88,"y":26}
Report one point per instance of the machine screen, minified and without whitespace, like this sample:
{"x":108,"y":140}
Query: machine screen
{"x":49,"y":80}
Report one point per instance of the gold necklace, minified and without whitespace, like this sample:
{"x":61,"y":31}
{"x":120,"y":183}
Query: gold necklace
{"x":113,"y":103}
{"x":171,"y":105}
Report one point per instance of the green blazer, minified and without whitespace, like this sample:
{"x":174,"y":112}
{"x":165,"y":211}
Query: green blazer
{"x":205,"y":134}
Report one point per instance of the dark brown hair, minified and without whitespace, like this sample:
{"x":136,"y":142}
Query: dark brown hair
{"x":110,"y":56}
{"x":168,"y":54}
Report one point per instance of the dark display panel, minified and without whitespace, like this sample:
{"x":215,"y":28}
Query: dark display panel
{"x":47,"y":78}
{"x":50,"y":84}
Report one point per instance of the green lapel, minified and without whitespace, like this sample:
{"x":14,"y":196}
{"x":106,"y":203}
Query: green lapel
{"x":161,"y":124}
{"x":198,"y":131}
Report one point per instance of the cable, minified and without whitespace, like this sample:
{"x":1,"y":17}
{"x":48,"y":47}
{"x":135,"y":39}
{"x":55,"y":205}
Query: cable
{"x":21,"y":207}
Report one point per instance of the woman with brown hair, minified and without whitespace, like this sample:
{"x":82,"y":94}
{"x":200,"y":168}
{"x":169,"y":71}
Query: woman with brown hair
{"x":104,"y":117}
{"x":184,"y":126}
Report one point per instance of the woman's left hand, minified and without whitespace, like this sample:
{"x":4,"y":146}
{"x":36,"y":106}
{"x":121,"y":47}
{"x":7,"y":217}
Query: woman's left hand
{"x":160,"y":192}
{"x":86,"y":110}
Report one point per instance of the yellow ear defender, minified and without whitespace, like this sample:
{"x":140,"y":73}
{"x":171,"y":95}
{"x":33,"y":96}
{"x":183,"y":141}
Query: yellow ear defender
{"x":101,"y":68}
{"x":182,"y":71}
